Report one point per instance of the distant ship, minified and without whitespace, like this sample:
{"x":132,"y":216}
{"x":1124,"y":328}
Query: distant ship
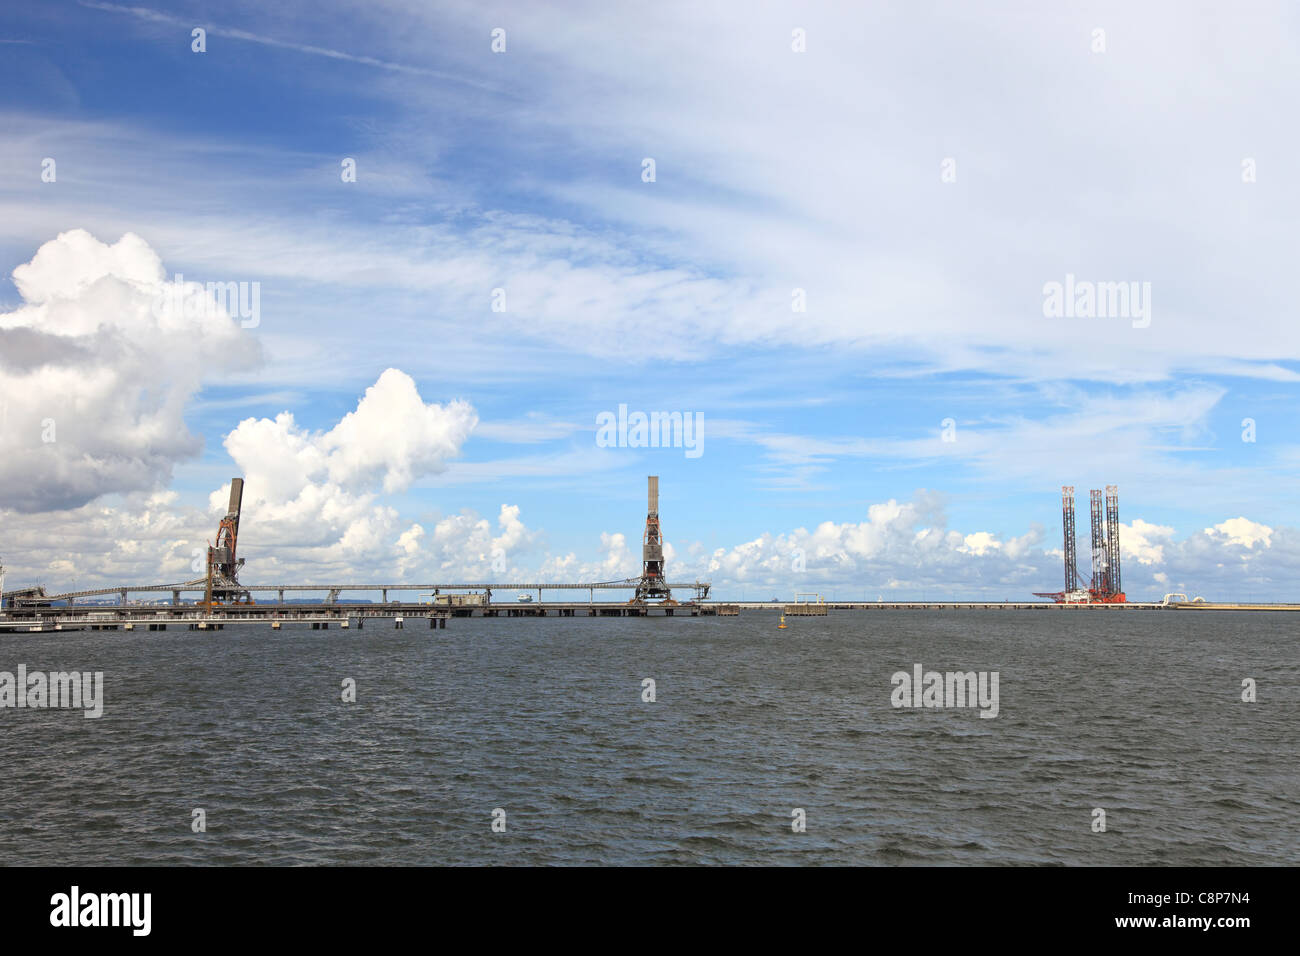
{"x":523,"y":598}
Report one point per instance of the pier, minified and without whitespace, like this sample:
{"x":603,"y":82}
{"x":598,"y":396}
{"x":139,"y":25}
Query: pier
{"x":224,"y":599}
{"x":44,"y":618}
{"x":735,"y":607}
{"x":334,"y":591}
{"x":154,"y":617}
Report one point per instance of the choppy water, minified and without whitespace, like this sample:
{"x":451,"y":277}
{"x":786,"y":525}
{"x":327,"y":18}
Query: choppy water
{"x":1137,"y":713}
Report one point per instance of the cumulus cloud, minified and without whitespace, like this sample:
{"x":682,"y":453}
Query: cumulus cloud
{"x":1242,"y":531}
{"x":614,"y":560}
{"x":1143,"y":542}
{"x":901,"y":546}
{"x":154,"y":539}
{"x":981,"y":542}
{"x":1237,"y":559}
{"x":319,"y":490}
{"x":395,"y":436}
{"x":141,"y":539}
{"x":96,"y":367}
{"x":906,"y":549}
{"x":463,"y":548}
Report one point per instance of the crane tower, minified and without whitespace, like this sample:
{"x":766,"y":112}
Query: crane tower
{"x":653,"y":584}
{"x":223,"y":560}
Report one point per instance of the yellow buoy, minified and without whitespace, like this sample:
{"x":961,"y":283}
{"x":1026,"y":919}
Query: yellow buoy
{"x":782,"y":625}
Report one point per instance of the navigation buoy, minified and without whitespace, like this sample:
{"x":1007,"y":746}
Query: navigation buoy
{"x":782,"y":625}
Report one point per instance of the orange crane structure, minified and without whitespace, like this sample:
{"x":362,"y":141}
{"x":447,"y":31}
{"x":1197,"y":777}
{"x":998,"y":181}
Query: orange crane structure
{"x":223,"y":585}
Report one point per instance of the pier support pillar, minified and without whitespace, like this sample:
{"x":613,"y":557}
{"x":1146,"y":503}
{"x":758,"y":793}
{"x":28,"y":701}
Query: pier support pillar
{"x":281,"y":595}
{"x":176,"y":599}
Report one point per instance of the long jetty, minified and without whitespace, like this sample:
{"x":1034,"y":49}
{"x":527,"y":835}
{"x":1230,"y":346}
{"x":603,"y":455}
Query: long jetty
{"x":40,"y":617}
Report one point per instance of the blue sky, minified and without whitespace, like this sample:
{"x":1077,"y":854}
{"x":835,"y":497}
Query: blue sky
{"x":776,"y":170}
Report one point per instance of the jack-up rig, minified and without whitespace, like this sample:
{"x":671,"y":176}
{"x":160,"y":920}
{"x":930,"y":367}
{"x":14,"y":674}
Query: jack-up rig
{"x":1105,"y":587}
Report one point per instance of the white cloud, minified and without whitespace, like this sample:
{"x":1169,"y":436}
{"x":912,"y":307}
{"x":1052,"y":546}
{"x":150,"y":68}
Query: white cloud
{"x":904,"y":542}
{"x":96,"y":368}
{"x":981,"y":542}
{"x":394,"y":434}
{"x":140,"y":539}
{"x":614,"y":562}
{"x":1143,"y":542}
{"x":319,"y":490}
{"x":1243,"y":531}
{"x":906,"y":548}
{"x":463,"y":548}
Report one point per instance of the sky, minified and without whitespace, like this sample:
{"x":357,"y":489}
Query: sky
{"x":837,"y":237}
